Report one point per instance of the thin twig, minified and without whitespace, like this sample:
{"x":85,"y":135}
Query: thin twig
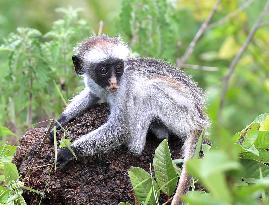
{"x":199,"y":67}
{"x":238,"y":56}
{"x":197,"y":36}
{"x":263,"y":24}
{"x":245,"y":5}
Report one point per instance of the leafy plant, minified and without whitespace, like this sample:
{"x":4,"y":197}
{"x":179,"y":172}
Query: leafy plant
{"x":66,"y":143}
{"x":242,"y":178}
{"x":36,"y":62}
{"x":146,"y":187}
{"x":11,"y":188}
{"x":239,"y":175}
{"x":150,"y":27}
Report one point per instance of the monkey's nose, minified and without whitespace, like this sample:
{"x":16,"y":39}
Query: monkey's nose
{"x":113,"y":82}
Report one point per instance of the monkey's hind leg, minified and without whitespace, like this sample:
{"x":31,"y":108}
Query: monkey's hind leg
{"x":185,"y":179}
{"x":138,"y":132}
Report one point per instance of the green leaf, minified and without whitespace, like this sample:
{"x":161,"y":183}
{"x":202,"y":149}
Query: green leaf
{"x":143,"y":184}
{"x":217,"y":161}
{"x":252,"y":169}
{"x":210,"y":171}
{"x":261,"y":118}
{"x":262,"y":157}
{"x":248,"y":194}
{"x":7,"y":150}
{"x":262,"y":141}
{"x":165,"y":173}
{"x":5,"y":132}
{"x":65,"y":143}
{"x":4,"y":194}
{"x":10,"y":171}
{"x":265,"y":124}
{"x":199,"y":198}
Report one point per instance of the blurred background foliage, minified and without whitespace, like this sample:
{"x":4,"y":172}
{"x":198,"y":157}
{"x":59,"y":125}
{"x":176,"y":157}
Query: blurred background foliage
{"x":37,"y":38}
{"x":37,"y":78}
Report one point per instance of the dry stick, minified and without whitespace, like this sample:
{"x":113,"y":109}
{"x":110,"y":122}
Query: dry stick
{"x":238,"y":56}
{"x":231,"y":15}
{"x":197,"y":36}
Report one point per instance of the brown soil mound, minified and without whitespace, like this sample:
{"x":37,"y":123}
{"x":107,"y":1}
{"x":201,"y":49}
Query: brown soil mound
{"x":92,"y":180}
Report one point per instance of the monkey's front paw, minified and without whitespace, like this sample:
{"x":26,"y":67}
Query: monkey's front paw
{"x":64,"y":156}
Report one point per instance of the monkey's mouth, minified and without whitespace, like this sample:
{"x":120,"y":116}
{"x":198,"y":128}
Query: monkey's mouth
{"x":113,"y":88}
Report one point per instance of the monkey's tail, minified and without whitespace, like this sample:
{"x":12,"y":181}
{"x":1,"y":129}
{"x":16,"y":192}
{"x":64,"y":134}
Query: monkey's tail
{"x":185,"y":179}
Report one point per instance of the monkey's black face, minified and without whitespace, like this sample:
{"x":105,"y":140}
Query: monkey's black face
{"x":107,"y":73}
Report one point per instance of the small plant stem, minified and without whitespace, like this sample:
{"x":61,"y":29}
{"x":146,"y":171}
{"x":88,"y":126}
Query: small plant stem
{"x":55,"y":147}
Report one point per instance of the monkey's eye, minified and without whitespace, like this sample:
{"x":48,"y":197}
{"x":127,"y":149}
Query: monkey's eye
{"x":103,"y":70}
{"x":119,"y":68}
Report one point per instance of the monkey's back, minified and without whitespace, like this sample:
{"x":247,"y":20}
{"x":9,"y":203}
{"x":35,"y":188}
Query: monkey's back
{"x":158,"y":69}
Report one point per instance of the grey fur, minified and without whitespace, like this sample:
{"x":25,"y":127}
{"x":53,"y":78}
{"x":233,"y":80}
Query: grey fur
{"x":149,"y":90}
{"x":152,"y":95}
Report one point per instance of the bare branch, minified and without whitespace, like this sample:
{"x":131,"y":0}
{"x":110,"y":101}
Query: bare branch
{"x":200,"y":67}
{"x":245,"y":5}
{"x":264,"y":24}
{"x":238,"y":56}
{"x":197,"y":36}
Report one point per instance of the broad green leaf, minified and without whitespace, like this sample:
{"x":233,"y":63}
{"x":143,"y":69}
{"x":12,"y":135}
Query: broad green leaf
{"x":200,"y":198}
{"x":165,"y":173}
{"x":5,"y":132}
{"x":248,"y":194}
{"x":254,"y":126}
{"x":252,"y":149}
{"x":249,"y":139}
{"x":7,"y":150}
{"x":262,"y":141}
{"x":143,"y":184}
{"x":215,"y":182}
{"x":217,"y":161}
{"x":265,"y":124}
{"x":252,"y":169}
{"x":262,"y":157}
{"x":210,"y":171}
{"x":261,"y":118}
{"x":10,"y":171}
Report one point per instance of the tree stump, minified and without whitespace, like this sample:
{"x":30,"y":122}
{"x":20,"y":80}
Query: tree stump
{"x":101,"y":179}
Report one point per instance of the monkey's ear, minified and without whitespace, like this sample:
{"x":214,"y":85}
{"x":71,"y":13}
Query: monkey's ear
{"x":77,"y":65}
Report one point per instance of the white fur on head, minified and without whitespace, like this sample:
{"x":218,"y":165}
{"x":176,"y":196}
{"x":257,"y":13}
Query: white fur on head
{"x":97,"y":54}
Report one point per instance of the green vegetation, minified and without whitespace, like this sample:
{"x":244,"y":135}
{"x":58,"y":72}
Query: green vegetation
{"x":37,"y":80}
{"x":11,"y":188}
{"x":233,"y":172}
